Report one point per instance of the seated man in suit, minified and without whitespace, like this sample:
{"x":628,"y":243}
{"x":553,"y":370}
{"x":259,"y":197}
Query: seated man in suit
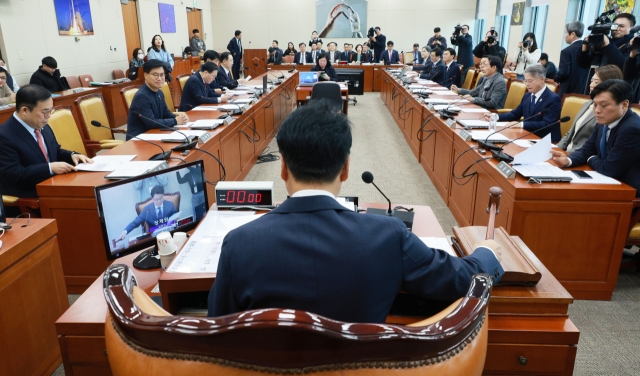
{"x":225,"y":77}
{"x":390,"y":56}
{"x":148,"y":108}
{"x":333,"y":54}
{"x":48,"y":75}
{"x":214,"y":57}
{"x":274,"y":57}
{"x":156,"y":215}
{"x":346,"y":54}
{"x":29,"y":151}
{"x":614,"y":147}
{"x":537,"y":98}
{"x":452,"y":72}
{"x":491,"y":91}
{"x":426,"y":60}
{"x":367,"y":54}
{"x":324,"y":66}
{"x":437,"y":70}
{"x":302,"y":56}
{"x":330,"y":260}
{"x":319,"y":47}
{"x":197,"y":91}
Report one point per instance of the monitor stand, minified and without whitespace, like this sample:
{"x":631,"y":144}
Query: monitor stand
{"x":148,"y":259}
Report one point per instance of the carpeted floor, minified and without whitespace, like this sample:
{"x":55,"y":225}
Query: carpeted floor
{"x":609,"y":331}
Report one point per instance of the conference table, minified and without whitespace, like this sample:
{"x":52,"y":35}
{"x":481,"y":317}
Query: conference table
{"x":529,"y":328}
{"x":577,"y":230}
{"x":70,"y":198}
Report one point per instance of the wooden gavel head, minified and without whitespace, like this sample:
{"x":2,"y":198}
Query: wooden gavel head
{"x":495,"y":193}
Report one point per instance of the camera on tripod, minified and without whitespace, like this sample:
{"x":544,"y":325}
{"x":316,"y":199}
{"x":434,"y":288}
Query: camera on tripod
{"x":601,"y":27}
{"x":371,"y":33}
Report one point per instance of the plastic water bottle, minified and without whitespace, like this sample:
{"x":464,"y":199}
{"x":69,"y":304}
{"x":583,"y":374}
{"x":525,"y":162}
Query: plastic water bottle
{"x":493,"y":122}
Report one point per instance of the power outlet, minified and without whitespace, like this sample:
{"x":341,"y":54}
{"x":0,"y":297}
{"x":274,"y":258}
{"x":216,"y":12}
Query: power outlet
{"x":20,"y":55}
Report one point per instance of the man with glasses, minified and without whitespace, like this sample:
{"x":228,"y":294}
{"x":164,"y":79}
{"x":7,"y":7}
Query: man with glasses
{"x":6,"y":94}
{"x":197,"y":89}
{"x":148,"y":108}
{"x":614,"y":50}
{"x":29,"y":150}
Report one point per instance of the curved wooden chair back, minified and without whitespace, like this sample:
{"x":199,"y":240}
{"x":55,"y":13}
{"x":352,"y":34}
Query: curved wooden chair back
{"x":85,"y":80}
{"x":469,"y":79}
{"x":571,"y":105}
{"x":516,"y":92}
{"x":73,"y":82}
{"x":91,"y":107}
{"x":66,"y":130}
{"x":288,"y":59}
{"x":174,"y":198}
{"x":477,"y":80}
{"x":142,"y":339}
{"x":168,"y":98}
{"x":118,"y":73}
{"x":182,"y":80}
{"x":552,"y":85}
{"x":635,"y":108}
{"x":127,"y":93}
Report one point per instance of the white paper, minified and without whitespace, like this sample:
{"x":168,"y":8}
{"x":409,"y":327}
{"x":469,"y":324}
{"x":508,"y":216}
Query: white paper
{"x":474,"y":123}
{"x":482,"y":135}
{"x":474,"y":110}
{"x":537,"y":153}
{"x":426,"y":82}
{"x":439,"y":243}
{"x":424,"y":90}
{"x":446,"y":107}
{"x":204,"y":108}
{"x":134,"y":168}
{"x":206,"y":123}
{"x":596,"y":178}
{"x":105,"y":162}
{"x":170,"y":136}
{"x":445,"y":93}
{"x":524,"y":143}
{"x":438,"y":88}
{"x":415,"y":86}
{"x":543,"y":169}
{"x":347,"y":204}
{"x":442,"y":100}
{"x":243,"y":100}
{"x":229,"y":107}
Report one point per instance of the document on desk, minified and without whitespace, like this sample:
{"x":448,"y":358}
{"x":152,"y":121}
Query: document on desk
{"x":442,"y":100}
{"x":202,"y":252}
{"x":489,"y":136}
{"x":438,"y":107}
{"x":537,"y":153}
{"x":105,"y":163}
{"x":170,"y":136}
{"x":474,"y":110}
{"x":205,"y":108}
{"x":439,"y":243}
{"x":543,"y":170}
{"x":596,"y":178}
{"x":206,"y":124}
{"x":445,"y":93}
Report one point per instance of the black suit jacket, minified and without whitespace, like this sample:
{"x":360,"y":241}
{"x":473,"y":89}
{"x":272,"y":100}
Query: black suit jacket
{"x":276,"y":58}
{"x":623,"y":151}
{"x":47,"y":81}
{"x":307,"y":57}
{"x":451,"y":75}
{"x":435,"y":73}
{"x":235,"y":49}
{"x":23,"y":164}
{"x":336,"y":263}
{"x":333,"y":76}
{"x":367,"y":57}
{"x":195,"y":93}
{"x":549,"y":100}
{"x":151,"y":105}
{"x":571,"y":77}
{"x":225,"y":80}
{"x":379,"y":46}
{"x":395,"y":57}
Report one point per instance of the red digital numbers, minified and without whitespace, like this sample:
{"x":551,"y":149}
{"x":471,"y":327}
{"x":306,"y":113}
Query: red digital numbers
{"x":242,"y":197}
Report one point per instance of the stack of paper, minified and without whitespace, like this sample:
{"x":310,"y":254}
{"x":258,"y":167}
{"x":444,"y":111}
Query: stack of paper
{"x":442,"y":100}
{"x":206,"y":124}
{"x":174,"y":136}
{"x":105,"y":163}
{"x":483,"y":135}
{"x":439,"y":243}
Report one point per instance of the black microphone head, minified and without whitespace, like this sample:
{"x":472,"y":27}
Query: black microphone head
{"x":96,"y":123}
{"x":544,"y":111}
{"x":367,"y":177}
{"x":565,"y":119}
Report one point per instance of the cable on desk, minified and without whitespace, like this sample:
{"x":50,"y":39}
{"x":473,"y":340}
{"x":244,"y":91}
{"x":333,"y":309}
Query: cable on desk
{"x":267,"y":156}
{"x":224,"y":171}
{"x":403,"y":208}
{"x":464,"y":173}
{"x":180,"y":159}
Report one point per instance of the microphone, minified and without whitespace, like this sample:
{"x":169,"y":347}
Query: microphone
{"x":165,"y":155}
{"x":487,"y":145}
{"x":405,"y":216}
{"x":449,"y":114}
{"x":499,"y":155}
{"x":186,"y":145}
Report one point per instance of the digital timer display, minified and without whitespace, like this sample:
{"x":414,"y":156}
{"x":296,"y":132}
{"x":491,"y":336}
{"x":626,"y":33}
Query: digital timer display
{"x":241,"y":197}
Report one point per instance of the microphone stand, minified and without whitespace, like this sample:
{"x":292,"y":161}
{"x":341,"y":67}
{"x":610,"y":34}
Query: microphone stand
{"x":488,"y":145}
{"x":164,"y":156}
{"x":186,"y":145}
{"x":504,"y":157}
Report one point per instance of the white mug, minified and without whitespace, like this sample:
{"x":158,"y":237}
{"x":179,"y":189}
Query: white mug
{"x":179,"y":238}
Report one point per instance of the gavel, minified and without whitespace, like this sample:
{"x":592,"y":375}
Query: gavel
{"x":493,"y":208}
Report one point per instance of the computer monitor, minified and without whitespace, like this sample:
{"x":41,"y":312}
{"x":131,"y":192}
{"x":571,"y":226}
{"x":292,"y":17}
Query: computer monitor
{"x":307,"y":78}
{"x":134,"y":211}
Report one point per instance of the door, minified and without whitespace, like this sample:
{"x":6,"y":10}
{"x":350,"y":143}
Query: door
{"x":194,"y":21}
{"x":131,"y":29}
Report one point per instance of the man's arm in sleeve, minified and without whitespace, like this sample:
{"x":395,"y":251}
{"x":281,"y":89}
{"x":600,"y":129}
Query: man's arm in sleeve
{"x":625,"y":152}
{"x":631,"y":68}
{"x":221,"y":298}
{"x":13,"y":170}
{"x":564,"y":67}
{"x":588,"y":149}
{"x":583,"y":59}
{"x":194,"y":45}
{"x":515,"y":114}
{"x":143,"y":106}
{"x":196,"y":92}
{"x":137,"y":221}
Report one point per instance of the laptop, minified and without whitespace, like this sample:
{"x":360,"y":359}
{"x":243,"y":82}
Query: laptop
{"x":403,"y":71}
{"x":308,"y":78}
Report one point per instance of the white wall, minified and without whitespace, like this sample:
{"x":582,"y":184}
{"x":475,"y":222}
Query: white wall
{"x":554,"y":35}
{"x":405,"y":22}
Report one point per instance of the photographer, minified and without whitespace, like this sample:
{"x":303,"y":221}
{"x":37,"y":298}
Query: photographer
{"x":437,"y":40}
{"x":632,"y":68}
{"x":528,"y":54}
{"x":612,"y":51}
{"x":570,"y":76}
{"x":489,"y":46}
{"x":464,"y":41}
{"x":378,"y":41}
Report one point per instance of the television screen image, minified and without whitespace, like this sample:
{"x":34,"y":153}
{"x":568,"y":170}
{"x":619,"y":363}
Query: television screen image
{"x":308,"y":77}
{"x":134,"y":211}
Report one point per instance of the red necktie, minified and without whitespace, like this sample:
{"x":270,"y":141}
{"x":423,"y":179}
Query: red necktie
{"x":41,"y":144}
{"x":389,"y":55}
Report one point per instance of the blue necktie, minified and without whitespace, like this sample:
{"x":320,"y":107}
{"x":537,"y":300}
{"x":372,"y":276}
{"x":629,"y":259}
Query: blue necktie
{"x":603,"y":142}
{"x":533,"y":103}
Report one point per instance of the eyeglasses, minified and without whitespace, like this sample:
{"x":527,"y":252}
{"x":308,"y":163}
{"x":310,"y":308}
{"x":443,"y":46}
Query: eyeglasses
{"x":157,"y":75}
{"x":50,"y":112}
{"x":3,"y":78}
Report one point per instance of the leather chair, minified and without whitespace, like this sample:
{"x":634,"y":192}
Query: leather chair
{"x":469,"y":79}
{"x":182,"y":80}
{"x":329,"y":91}
{"x":118,"y":73}
{"x":571,"y":104}
{"x":552,"y":85}
{"x":85,"y":80}
{"x":68,"y":134}
{"x":127,"y":93}
{"x":91,"y":107}
{"x":73,"y":82}
{"x":408,"y":57}
{"x":172,"y":197}
{"x":168,"y":98}
{"x":477,"y":80}
{"x":143,"y":339}
{"x":288,"y":59}
{"x":516,"y":92}
{"x":635,"y":108}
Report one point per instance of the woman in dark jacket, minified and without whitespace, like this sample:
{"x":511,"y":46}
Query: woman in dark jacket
{"x":291,"y":50}
{"x":323,"y":65}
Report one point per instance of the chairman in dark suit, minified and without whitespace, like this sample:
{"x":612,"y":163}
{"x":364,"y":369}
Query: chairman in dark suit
{"x":225,"y":76}
{"x":390,"y":56}
{"x":572,"y":78}
{"x":148,"y":107}
{"x":378,"y":42}
{"x":197,"y":89}
{"x":155,"y":215}
{"x":538,"y":98}
{"x":452,"y":69}
{"x":235,"y":48}
{"x":29,"y":150}
{"x":302,"y":56}
{"x":614,"y":147}
{"x":437,"y":71}
{"x":332,"y":261}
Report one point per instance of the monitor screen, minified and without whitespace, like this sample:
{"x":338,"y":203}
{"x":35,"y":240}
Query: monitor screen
{"x":134,"y":211}
{"x":308,"y":77}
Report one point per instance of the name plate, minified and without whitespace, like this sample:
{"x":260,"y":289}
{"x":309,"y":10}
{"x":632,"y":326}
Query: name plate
{"x":245,"y":107}
{"x":451,"y":123}
{"x":204,"y":138}
{"x":421,"y":100}
{"x":430,"y":107}
{"x":78,"y":90}
{"x":465,"y":135}
{"x":228,"y":120}
{"x":507,"y":171}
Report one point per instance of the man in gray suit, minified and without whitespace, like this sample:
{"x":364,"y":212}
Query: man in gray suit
{"x":491,"y":91}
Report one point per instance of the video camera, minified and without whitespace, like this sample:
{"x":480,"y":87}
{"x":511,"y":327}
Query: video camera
{"x":371,"y":33}
{"x":492,"y":36}
{"x":457,"y":30}
{"x":601,"y":27}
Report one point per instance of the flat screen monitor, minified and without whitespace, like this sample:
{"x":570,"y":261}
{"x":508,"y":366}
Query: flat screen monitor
{"x":134,"y":211}
{"x":308,"y":77}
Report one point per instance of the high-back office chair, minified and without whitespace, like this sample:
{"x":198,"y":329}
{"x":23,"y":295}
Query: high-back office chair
{"x":85,"y":80}
{"x":66,"y":130}
{"x":571,"y":104}
{"x":552,"y":85}
{"x":635,"y":108}
{"x":127,"y":93}
{"x":469,"y":79}
{"x":288,"y":59}
{"x":91,"y":107}
{"x":329,"y":91}
{"x":477,"y":80}
{"x":171,"y":197}
{"x":408,"y":57}
{"x":182,"y":80}
{"x":73,"y":82}
{"x":516,"y":92}
{"x":168,"y":98}
{"x":118,"y":73}
{"x":143,"y":339}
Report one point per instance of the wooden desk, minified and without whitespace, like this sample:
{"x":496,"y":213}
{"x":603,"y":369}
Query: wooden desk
{"x":32,"y":297}
{"x":70,"y":198}
{"x":529,"y":322}
{"x":577,"y":230}
{"x":302,"y":92}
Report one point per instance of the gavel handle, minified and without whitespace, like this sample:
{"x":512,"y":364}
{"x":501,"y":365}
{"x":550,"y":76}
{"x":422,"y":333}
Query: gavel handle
{"x":492,"y":222}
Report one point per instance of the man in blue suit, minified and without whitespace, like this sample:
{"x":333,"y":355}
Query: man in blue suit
{"x":302,"y":56}
{"x":572,"y":78}
{"x":614,"y":147}
{"x":197,"y":90}
{"x":225,"y":76}
{"x":538,"y":98}
{"x":235,"y":48}
{"x":437,"y":70}
{"x":29,"y":150}
{"x":390,"y":56}
{"x":313,"y":254}
{"x":452,"y":71}
{"x":155,"y":215}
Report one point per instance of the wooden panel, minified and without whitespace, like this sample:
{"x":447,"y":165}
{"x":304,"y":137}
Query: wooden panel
{"x":248,"y":56}
{"x":91,"y":371}
{"x":377,"y":79}
{"x":87,"y":350}
{"x":481,"y":216}
{"x":230,"y":153}
{"x":194,"y":21}
{"x":463,"y":190}
{"x":540,"y":359}
{"x":131,"y":28}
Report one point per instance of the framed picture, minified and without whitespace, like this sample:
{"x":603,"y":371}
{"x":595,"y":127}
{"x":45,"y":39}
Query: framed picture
{"x":620,"y":6}
{"x":517,"y":13}
{"x":167,"y":18}
{"x":341,"y":19}
{"x":74,"y":17}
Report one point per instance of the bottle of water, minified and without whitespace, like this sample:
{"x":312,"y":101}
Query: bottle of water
{"x":493,"y":121}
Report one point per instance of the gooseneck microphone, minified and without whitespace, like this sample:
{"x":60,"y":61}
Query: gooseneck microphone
{"x":164,"y":156}
{"x":367,"y":177}
{"x":186,"y":145}
{"x":504,"y":157}
{"x":488,"y":145}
